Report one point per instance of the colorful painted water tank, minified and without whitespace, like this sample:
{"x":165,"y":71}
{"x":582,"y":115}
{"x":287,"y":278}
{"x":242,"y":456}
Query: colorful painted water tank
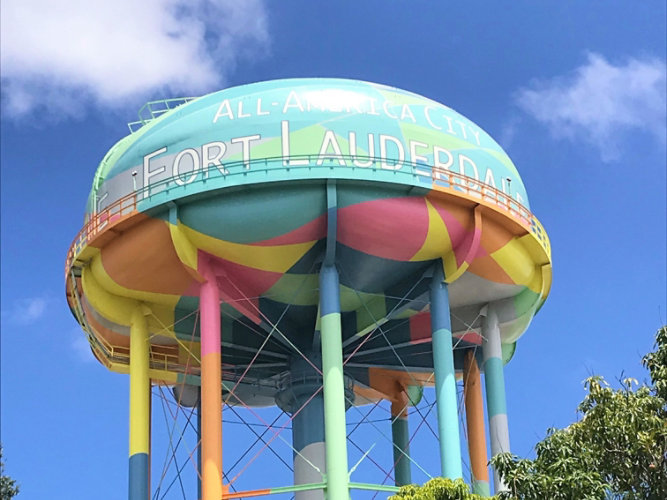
{"x":249,"y":196}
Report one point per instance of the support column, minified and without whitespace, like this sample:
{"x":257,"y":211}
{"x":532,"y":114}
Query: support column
{"x":334,"y":386}
{"x":211,"y":384}
{"x":494,"y":381}
{"x":307,"y":425}
{"x":445,"y":377}
{"x":199,"y":462}
{"x":401,"y":439}
{"x":140,"y":407}
{"x":472,"y":394}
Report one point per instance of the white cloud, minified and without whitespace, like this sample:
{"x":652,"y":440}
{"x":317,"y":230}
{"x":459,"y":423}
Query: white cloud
{"x":27,"y":311}
{"x":56,"y":56}
{"x":600,"y":101}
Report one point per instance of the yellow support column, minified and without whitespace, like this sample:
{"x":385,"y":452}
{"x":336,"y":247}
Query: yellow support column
{"x":140,"y":406}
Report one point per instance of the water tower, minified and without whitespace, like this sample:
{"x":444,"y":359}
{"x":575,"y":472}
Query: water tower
{"x":312,"y":244}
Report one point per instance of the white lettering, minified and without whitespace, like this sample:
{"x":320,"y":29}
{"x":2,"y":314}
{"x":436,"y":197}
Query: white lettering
{"x":383,"y":152}
{"x":354,"y":104}
{"x":353,"y":150}
{"x":259,"y":108}
{"x":284,"y":136}
{"x":427,"y":109}
{"x":450,"y":129}
{"x":223,"y":110}
{"x":463,"y":128}
{"x":296,"y":104}
{"x":215,"y":161}
{"x":100,"y":200}
{"x":489,"y":179}
{"x":240,"y":114}
{"x":194,"y":158}
{"x":385,"y":108}
{"x":519,"y":198}
{"x":245,"y":141}
{"x":373,"y":110}
{"x":414,"y":156}
{"x":406,"y":112}
{"x":476,"y":134}
{"x":439,"y":165}
{"x":330,"y":140}
{"x":148,"y":173}
{"x":463,"y":160}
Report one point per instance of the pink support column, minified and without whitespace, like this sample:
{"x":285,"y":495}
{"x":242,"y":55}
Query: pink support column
{"x":211,"y":383}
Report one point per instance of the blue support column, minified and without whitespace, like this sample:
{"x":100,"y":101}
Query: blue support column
{"x":494,"y":381}
{"x":299,"y":387}
{"x":445,"y":377}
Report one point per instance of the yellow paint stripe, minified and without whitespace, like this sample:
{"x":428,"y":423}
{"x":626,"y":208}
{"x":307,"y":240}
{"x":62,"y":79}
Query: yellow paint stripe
{"x":140,"y":385}
{"x":112,"y":307}
{"x":450,"y":267}
{"x":518,"y":264}
{"x":162,"y":304}
{"x":437,"y":241}
{"x":276,"y":259}
{"x":186,"y":251}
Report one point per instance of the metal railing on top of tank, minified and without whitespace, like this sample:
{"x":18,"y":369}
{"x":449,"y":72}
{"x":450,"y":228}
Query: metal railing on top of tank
{"x":443,"y":180}
{"x":153,"y":109}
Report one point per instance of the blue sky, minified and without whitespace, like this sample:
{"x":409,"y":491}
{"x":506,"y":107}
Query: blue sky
{"x":574,"y":91}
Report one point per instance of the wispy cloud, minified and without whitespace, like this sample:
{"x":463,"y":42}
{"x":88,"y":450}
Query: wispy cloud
{"x":599,"y":101}
{"x":58,"y":56}
{"x":80,"y":346}
{"x":26,"y":311}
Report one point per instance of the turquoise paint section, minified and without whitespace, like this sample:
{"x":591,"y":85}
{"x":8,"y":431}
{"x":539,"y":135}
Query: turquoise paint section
{"x":495,"y":387}
{"x":401,"y":439}
{"x":481,"y":488}
{"x":272,"y":213}
{"x":255,"y":125}
{"x":445,"y":378}
{"x":138,"y":477}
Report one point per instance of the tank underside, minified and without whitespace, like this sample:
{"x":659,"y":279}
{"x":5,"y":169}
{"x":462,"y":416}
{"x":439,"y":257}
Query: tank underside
{"x":267,"y":242}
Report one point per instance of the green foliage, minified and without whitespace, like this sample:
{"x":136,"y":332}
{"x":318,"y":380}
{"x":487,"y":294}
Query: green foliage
{"x":618,"y":449}
{"x":8,"y":487}
{"x":437,"y":489}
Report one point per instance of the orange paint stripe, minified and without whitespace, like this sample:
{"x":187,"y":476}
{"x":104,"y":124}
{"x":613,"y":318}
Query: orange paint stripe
{"x":246,"y":494}
{"x":211,"y":426}
{"x":472,"y":393}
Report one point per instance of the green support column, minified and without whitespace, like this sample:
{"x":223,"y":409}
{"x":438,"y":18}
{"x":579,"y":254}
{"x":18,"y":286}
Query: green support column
{"x":401,"y":439}
{"x":334,"y":386}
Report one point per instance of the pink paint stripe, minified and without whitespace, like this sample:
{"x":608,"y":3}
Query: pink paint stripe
{"x":209,"y":307}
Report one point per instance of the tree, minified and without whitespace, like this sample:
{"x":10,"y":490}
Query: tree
{"x":618,"y":449}
{"x":8,"y":487}
{"x":436,"y":489}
